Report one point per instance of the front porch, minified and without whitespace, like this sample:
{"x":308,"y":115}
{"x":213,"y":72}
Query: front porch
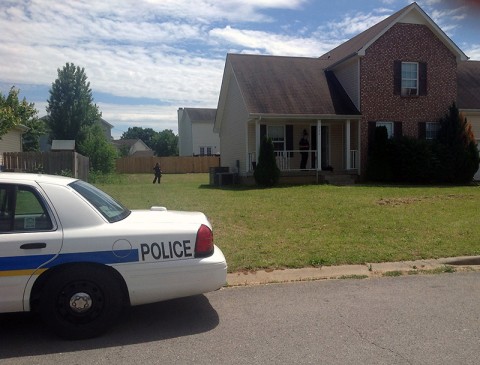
{"x":333,"y":152}
{"x":309,"y":177}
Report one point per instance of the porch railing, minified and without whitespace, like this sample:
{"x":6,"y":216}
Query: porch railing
{"x":290,"y":160}
{"x":287,"y":160}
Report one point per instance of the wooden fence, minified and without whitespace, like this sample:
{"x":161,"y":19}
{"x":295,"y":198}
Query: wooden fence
{"x":54,"y":163}
{"x":169,"y":165}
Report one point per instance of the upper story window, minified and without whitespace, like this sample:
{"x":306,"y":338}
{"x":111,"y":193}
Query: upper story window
{"x":410,"y":78}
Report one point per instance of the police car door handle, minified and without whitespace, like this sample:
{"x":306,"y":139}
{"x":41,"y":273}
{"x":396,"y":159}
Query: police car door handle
{"x":33,"y":246}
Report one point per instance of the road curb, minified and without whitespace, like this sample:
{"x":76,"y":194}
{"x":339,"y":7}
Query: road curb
{"x":368,"y":270}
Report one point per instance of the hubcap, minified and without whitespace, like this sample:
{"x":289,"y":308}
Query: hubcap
{"x":80,"y":302}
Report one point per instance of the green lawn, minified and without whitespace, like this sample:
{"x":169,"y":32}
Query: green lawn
{"x":311,"y":225}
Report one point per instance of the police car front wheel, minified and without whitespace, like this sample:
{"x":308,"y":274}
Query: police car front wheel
{"x":81,"y":302}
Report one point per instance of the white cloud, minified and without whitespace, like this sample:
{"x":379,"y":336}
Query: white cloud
{"x":269,"y":43}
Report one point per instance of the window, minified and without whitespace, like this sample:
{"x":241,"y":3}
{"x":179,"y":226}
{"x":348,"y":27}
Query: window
{"x":112,"y":210}
{"x":22,"y":210}
{"x":277,"y":135}
{"x":409,"y":78}
{"x":389,"y":126}
{"x":431,"y":130}
{"x":202,"y":151}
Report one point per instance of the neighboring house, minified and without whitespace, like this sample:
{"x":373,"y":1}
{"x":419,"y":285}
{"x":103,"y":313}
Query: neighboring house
{"x":403,"y":73}
{"x":132,"y":147}
{"x":12,"y":141}
{"x":107,"y":129}
{"x":44,"y":140}
{"x":195,"y":132}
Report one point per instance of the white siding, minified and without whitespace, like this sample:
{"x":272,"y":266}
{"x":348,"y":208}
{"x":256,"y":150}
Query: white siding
{"x":10,"y":142}
{"x":205,"y":137}
{"x":185,"y":144}
{"x":348,"y":75}
{"x":233,"y":133}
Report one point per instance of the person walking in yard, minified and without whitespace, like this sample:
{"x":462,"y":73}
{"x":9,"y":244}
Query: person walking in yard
{"x":158,"y":173}
{"x":304,"y":146}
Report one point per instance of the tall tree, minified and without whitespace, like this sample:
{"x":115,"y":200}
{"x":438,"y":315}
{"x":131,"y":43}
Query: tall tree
{"x":166,"y":143}
{"x":14,"y":112}
{"x":70,"y":107}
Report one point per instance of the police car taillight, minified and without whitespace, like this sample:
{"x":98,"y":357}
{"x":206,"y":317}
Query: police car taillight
{"x":204,"y":242}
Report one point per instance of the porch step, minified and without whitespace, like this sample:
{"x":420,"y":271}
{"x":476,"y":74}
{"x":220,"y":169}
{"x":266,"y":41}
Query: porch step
{"x":340,"y":180}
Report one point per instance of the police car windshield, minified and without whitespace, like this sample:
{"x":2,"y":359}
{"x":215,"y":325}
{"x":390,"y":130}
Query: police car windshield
{"x":112,"y":210}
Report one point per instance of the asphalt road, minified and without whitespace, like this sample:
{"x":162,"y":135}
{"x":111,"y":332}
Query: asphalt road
{"x":425,"y":319}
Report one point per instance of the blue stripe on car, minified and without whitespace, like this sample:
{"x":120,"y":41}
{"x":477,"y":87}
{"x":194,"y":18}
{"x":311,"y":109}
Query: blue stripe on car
{"x":35,"y":261}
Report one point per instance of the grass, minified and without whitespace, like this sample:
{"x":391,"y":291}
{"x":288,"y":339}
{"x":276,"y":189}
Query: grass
{"x":312,"y":225}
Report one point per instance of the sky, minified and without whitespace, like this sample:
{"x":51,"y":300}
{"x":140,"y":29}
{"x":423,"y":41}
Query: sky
{"x":145,"y":59}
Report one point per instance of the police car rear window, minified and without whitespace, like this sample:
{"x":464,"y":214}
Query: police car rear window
{"x":112,"y":210}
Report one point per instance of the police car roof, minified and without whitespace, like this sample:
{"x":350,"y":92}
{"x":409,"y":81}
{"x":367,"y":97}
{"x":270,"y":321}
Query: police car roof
{"x":26,"y":177}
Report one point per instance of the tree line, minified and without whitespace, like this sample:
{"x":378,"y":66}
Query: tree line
{"x":73,"y":115}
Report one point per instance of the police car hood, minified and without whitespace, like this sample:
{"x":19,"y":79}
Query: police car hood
{"x":155,"y":215}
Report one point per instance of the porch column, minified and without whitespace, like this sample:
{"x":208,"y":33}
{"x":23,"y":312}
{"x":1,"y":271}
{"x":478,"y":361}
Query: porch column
{"x":319,"y":145}
{"x":347,"y":146}
{"x":257,"y":139}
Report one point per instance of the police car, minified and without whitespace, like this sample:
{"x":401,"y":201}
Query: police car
{"x":78,"y":257}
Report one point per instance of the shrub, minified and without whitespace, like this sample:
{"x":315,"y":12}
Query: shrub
{"x":267,"y":172}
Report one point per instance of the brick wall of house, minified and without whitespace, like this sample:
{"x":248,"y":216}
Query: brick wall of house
{"x":409,"y":43}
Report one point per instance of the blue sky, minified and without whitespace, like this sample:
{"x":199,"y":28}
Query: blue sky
{"x":146,"y":58}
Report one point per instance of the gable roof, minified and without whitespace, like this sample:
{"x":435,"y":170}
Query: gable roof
{"x":119,"y":143}
{"x":468,"y":85}
{"x":409,"y":14}
{"x":201,"y":114}
{"x":288,"y":86}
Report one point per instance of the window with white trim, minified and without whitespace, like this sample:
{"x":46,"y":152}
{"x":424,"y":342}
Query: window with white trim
{"x":388,"y":125}
{"x":277,"y":134}
{"x":409,"y":78}
{"x":431,"y":130}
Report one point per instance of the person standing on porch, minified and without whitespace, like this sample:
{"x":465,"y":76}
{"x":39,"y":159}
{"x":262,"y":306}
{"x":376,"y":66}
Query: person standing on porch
{"x":304,"y":145}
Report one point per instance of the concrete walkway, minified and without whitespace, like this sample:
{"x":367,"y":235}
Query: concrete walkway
{"x":369,"y":270}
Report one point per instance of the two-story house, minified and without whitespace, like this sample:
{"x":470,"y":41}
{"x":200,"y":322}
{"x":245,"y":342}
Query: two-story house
{"x":195,"y":132}
{"x":403,"y":73}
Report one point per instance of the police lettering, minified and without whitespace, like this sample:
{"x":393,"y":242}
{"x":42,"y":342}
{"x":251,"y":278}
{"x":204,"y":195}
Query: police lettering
{"x":166,"y":250}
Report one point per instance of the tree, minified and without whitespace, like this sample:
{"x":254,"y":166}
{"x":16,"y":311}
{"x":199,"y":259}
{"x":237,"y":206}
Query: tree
{"x":461,"y":159}
{"x":31,"y":138}
{"x":165,"y":143}
{"x":70,"y":109}
{"x":147,"y":135}
{"x":14,"y":112}
{"x":267,"y":172}
{"x":102,"y":153}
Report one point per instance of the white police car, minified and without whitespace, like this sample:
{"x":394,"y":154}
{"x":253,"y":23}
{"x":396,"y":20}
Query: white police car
{"x":78,"y":257}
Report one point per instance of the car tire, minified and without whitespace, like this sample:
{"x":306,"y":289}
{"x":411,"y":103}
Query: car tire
{"x":81,"y":301}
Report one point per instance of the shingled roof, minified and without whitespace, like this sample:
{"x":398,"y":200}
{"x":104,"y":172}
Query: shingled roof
{"x":201,"y":114}
{"x":281,"y":86}
{"x":358,"y":44}
{"x":468,"y":85}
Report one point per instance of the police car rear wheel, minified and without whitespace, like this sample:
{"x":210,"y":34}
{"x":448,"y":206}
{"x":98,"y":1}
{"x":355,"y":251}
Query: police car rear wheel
{"x":81,"y":302}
